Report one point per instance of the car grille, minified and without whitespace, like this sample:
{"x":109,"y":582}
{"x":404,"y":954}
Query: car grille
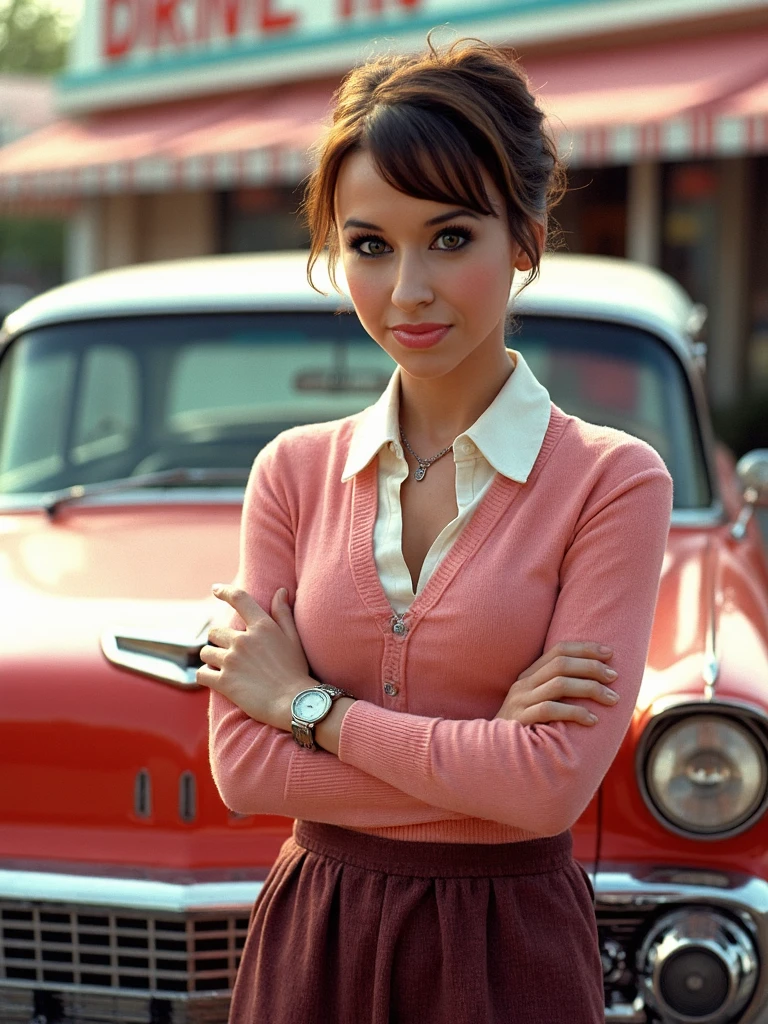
{"x":120,"y":955}
{"x":626,"y":926}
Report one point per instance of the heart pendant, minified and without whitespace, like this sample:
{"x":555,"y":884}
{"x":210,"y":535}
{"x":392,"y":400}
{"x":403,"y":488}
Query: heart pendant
{"x":420,"y":473}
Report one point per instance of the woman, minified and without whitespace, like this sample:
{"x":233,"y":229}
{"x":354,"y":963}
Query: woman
{"x":435,"y":758}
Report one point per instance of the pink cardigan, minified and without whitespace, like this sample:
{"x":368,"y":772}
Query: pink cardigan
{"x":575,"y":553}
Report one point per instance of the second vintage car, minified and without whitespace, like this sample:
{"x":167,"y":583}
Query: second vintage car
{"x":132,"y":404}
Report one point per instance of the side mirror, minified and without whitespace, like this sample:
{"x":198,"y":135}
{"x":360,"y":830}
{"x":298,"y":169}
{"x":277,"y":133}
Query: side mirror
{"x":752,"y":471}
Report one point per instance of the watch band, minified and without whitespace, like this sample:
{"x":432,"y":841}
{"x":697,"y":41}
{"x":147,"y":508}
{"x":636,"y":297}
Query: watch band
{"x":334,"y":691}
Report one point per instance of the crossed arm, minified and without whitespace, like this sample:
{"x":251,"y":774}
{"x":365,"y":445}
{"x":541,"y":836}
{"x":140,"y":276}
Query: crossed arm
{"x":384,"y":768}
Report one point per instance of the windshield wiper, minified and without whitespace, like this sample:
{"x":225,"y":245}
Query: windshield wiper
{"x":54,"y":501}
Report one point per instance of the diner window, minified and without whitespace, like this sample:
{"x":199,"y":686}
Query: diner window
{"x":690,"y":234}
{"x":261,"y":220}
{"x":757,"y":308}
{"x":593,"y":213}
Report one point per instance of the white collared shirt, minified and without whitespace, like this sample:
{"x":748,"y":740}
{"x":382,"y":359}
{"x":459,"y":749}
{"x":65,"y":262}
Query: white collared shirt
{"x":506,"y":439}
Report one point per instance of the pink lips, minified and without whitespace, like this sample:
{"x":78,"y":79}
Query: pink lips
{"x":420,"y":335}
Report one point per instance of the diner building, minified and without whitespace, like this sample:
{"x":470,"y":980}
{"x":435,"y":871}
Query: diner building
{"x":184,"y":127}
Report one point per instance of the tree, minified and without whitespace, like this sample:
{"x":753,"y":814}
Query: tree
{"x":33,"y":37}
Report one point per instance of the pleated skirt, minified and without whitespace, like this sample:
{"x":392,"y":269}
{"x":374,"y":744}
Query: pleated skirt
{"x":356,"y":929}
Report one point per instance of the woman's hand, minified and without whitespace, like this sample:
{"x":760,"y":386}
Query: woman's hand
{"x":262,"y":668}
{"x":566,"y":670}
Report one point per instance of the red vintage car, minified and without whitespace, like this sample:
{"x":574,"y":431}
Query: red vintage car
{"x":132,"y":404}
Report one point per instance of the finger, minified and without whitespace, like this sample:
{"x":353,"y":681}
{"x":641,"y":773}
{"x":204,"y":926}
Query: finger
{"x":551,"y":711}
{"x":565,"y":686}
{"x":209,"y":677}
{"x":249,"y":610}
{"x":282,"y":614}
{"x":580,"y":668}
{"x":212,"y":656}
{"x":222,"y":636}
{"x":571,"y":649}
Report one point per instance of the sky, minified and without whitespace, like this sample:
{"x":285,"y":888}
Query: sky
{"x":70,"y":7}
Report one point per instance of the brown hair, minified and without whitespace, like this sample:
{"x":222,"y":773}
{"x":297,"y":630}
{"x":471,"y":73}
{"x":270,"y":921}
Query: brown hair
{"x":430,"y":122}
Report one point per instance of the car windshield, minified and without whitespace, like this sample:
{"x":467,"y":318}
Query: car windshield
{"x":106,"y":400}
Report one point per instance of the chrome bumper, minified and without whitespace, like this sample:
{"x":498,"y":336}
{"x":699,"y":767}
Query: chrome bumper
{"x":131,"y":893}
{"x":633,"y":893}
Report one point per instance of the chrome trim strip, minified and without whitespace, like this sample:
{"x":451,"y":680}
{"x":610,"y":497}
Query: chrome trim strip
{"x":34,"y":501}
{"x":711,"y":667}
{"x":125,"y":997}
{"x":641,"y":886}
{"x":135,"y":894}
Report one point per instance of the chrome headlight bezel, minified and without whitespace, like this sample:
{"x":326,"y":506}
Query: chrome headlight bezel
{"x":752,"y":720}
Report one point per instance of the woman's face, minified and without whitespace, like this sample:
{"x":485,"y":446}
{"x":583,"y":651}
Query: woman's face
{"x":422,"y":264}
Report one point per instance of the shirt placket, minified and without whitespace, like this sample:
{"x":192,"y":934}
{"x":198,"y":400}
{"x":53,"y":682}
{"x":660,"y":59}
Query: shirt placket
{"x":393,"y":663}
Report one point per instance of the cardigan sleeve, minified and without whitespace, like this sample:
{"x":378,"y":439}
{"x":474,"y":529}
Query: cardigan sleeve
{"x":541,"y":777}
{"x":254,"y":765}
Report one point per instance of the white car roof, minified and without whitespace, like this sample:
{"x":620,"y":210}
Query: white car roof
{"x":592,"y":287}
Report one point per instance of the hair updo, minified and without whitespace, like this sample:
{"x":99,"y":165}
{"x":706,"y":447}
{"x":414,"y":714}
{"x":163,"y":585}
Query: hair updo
{"x":431,"y":122}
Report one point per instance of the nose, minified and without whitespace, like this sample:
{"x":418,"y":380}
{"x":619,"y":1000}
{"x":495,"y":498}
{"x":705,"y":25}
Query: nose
{"x":412,"y":286}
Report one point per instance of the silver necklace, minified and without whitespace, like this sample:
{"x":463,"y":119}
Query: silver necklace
{"x":424,"y":464}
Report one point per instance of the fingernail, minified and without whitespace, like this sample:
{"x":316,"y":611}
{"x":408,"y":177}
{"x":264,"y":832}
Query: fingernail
{"x":611,"y":673}
{"x":217,"y":587}
{"x":605,"y":650}
{"x":591,"y":717}
{"x":612,"y":695}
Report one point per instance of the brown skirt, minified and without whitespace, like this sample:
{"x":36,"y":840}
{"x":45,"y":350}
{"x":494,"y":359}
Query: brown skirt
{"x":356,"y":929}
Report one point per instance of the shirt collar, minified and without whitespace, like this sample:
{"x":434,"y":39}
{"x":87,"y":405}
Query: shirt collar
{"x":509,"y":434}
{"x":511,"y":431}
{"x":376,"y":426}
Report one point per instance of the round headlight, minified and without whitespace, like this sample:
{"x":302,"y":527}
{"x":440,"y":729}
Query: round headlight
{"x":707,"y":774}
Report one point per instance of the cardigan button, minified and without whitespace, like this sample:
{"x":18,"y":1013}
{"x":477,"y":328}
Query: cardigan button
{"x":390,"y":689}
{"x":399,"y":628}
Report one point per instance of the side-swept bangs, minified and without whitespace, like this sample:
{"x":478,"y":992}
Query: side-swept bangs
{"x":422,"y":153}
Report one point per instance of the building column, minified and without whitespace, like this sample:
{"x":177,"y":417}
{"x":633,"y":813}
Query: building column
{"x":644,"y":213}
{"x":121,"y":233}
{"x":728,"y":305}
{"x":82,"y":248}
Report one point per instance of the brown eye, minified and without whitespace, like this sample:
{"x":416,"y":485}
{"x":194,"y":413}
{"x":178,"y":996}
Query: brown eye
{"x":451,"y":240}
{"x":373,"y":247}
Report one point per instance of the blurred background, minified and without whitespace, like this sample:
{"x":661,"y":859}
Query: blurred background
{"x":135,"y":130}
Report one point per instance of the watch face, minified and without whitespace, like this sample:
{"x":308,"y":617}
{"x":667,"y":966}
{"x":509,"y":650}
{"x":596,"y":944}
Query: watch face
{"x":310,"y":705}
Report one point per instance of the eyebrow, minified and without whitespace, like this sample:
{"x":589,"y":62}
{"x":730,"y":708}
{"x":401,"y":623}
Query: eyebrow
{"x":441,"y":218}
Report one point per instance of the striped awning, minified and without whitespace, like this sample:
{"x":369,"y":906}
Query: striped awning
{"x":673,"y":100}
{"x":217,"y":142}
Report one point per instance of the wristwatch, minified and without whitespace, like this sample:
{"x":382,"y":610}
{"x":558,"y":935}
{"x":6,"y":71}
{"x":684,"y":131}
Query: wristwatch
{"x":310,"y":707}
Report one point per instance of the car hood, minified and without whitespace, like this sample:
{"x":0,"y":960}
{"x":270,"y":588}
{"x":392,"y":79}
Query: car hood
{"x":709,"y":638}
{"x":101,"y":764}
{"x":71,"y":577}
